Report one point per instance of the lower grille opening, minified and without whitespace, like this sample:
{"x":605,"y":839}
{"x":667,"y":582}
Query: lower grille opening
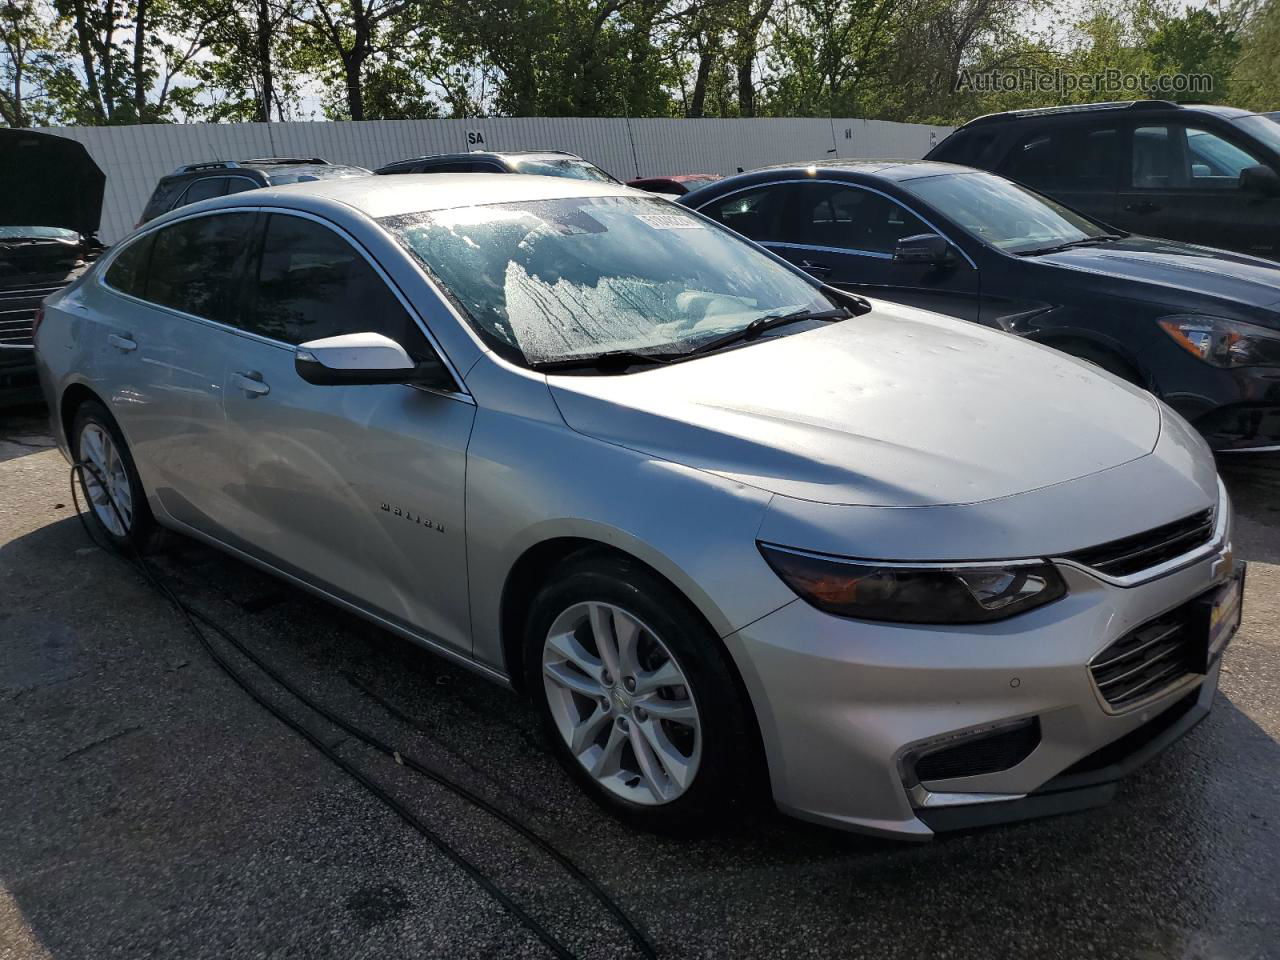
{"x":1130,"y":743}
{"x":986,"y":753}
{"x":1149,"y":659}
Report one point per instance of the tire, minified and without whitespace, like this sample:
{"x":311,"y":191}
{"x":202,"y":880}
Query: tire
{"x":96,"y":442}
{"x":705,"y":767}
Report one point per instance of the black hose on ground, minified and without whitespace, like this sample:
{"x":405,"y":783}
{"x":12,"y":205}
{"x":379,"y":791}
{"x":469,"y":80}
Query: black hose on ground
{"x":191,"y":617}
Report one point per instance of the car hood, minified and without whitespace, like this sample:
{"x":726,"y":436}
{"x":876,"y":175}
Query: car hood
{"x":1180,"y":267}
{"x":48,"y":181}
{"x":898,"y":407}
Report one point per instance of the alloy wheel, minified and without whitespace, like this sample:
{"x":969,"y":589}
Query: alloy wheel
{"x":622,"y":703}
{"x":106,"y":481}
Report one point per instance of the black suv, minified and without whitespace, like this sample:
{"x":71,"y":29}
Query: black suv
{"x":49,"y":215}
{"x":1200,"y":174}
{"x":545,"y":163}
{"x":216,"y":178}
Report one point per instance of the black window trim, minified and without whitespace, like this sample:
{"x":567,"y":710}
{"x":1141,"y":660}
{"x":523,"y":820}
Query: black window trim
{"x":843,"y":183}
{"x":461,"y":394}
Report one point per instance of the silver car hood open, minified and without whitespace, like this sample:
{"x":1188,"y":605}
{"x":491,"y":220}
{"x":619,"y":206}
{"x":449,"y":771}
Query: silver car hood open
{"x":899,"y":407}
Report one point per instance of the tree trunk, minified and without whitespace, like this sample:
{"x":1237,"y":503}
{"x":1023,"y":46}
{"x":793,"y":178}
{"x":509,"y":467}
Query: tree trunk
{"x":746,"y":88}
{"x":698,"y":103}
{"x":140,"y":62}
{"x":266,"y":75}
{"x":85,"y":43}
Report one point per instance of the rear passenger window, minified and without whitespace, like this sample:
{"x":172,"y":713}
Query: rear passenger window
{"x":128,"y":271}
{"x":1071,"y":157}
{"x":203,"y":190}
{"x":239,"y":185}
{"x":847,"y":218}
{"x":752,"y":213}
{"x":195,"y":265}
{"x":313,"y":284}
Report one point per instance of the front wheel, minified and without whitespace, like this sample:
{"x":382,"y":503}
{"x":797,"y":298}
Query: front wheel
{"x":636,"y":696}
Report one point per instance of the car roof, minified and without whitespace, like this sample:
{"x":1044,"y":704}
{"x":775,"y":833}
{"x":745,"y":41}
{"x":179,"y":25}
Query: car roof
{"x":1134,"y":106}
{"x":379,"y":197}
{"x":490,"y":155}
{"x":886,"y":169}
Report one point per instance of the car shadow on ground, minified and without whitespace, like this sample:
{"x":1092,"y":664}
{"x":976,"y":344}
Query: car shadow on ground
{"x":151,"y":807}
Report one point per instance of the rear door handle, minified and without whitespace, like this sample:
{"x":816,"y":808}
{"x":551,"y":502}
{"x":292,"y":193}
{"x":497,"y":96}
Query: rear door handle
{"x":251,"y":383}
{"x":1142,"y":206}
{"x":123,"y":344}
{"x":817,"y":269}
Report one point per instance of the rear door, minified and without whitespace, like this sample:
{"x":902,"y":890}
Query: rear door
{"x":357,"y":489}
{"x":170,"y":297}
{"x":1183,"y":183}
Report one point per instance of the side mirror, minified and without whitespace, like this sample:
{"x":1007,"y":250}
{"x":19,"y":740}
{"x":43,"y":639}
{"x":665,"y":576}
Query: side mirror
{"x":1261,"y":180}
{"x":366,"y":358}
{"x":922,"y":248}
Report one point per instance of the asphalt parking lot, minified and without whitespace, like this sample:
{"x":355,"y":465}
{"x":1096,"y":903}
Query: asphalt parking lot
{"x":149,"y":808}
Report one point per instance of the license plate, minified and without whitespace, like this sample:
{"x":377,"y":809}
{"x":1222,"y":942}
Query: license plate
{"x":1225,"y":606}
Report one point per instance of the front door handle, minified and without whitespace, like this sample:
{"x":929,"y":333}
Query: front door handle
{"x":1142,"y":206}
{"x":123,"y":344}
{"x":251,"y":383}
{"x":817,"y":269}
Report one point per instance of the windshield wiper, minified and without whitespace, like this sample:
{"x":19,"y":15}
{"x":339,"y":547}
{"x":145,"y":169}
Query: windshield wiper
{"x":768,"y":322}
{"x":1101,"y":238}
{"x":607,"y":361}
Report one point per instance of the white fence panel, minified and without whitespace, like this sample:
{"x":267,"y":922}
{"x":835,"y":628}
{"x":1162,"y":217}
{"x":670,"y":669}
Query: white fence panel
{"x":135,"y":157}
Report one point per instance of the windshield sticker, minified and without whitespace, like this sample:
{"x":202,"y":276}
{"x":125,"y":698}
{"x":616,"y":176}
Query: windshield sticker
{"x":669,"y":221}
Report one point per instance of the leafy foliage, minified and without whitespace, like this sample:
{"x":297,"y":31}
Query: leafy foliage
{"x":152,"y":61}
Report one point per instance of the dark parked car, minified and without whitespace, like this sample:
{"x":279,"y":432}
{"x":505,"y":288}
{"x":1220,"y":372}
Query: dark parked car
{"x":1199,"y":327}
{"x":676,"y":185}
{"x":1199,"y":174}
{"x":216,"y":178}
{"x":49,"y":215}
{"x":544,"y":163}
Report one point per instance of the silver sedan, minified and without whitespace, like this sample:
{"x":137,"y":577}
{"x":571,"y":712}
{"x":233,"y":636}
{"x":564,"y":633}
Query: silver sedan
{"x":730,"y":530}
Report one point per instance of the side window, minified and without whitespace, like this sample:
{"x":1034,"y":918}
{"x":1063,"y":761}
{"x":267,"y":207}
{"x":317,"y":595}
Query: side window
{"x":1066,"y":158}
{"x":128,"y":271}
{"x":1158,"y":162}
{"x":848,"y":218}
{"x":203,"y":190}
{"x":1215,"y":163}
{"x":752,"y":213}
{"x":195,"y":265}
{"x":312,"y":283}
{"x":240,"y":185}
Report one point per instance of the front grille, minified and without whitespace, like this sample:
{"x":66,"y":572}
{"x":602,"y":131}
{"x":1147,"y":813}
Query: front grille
{"x":18,"y":314}
{"x":1151,"y":658}
{"x":1142,"y":551}
{"x":989,"y":753}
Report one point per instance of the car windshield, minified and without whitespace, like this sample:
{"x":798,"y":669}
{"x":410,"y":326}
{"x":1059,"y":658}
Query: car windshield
{"x":1263,"y":129}
{"x":308,"y":174}
{"x":552,"y":280}
{"x":567,"y":167}
{"x":1005,"y":215}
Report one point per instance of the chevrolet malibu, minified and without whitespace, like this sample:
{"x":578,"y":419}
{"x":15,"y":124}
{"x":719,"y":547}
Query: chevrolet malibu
{"x":729,"y":529}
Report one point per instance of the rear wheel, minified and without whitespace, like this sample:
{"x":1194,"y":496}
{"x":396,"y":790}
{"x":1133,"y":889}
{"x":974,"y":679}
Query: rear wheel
{"x":115,"y":503}
{"x":635,"y":695}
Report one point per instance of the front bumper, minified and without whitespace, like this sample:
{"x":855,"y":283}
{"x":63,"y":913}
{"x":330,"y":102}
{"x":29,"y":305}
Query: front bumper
{"x":1236,"y":411}
{"x":843,"y":706}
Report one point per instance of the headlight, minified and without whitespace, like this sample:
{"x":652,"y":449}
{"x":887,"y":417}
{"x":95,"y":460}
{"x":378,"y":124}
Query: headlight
{"x":1224,"y":343}
{"x":964,"y":593}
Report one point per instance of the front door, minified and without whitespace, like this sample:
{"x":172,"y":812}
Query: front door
{"x":356,"y":489}
{"x":1183,"y":184}
{"x":845,"y":235}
